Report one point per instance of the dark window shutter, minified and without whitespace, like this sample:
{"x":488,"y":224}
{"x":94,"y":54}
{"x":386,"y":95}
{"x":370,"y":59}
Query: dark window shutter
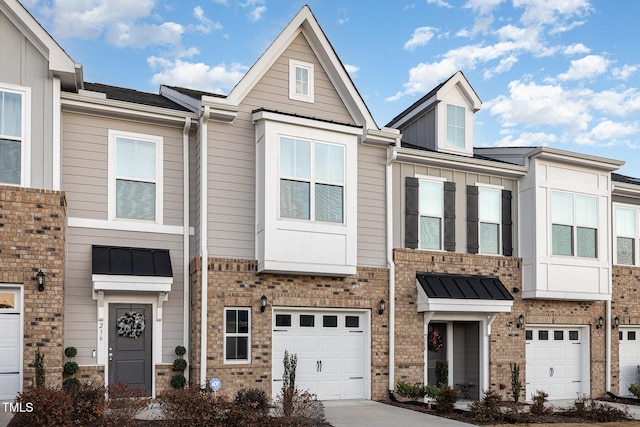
{"x":450,"y":216}
{"x":472,"y":219}
{"x":411,"y":213}
{"x":507,"y":224}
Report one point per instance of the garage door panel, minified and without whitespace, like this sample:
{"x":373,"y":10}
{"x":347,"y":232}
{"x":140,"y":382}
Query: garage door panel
{"x":629,"y":359}
{"x":10,"y":348}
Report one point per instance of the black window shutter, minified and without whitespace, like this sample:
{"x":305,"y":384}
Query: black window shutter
{"x":507,"y":224}
{"x":450,"y":216}
{"x":411,"y":212}
{"x":472,"y":219}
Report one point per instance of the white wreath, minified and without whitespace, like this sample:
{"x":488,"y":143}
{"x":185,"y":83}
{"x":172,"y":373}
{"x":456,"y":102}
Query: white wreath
{"x":131,"y":324}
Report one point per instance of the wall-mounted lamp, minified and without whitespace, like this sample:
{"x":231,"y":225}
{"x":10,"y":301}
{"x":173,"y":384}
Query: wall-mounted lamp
{"x":383,"y":304}
{"x":40,"y":279}
{"x":263,"y":303}
{"x":520,"y":321}
{"x":600,"y":322}
{"x":616,"y":322}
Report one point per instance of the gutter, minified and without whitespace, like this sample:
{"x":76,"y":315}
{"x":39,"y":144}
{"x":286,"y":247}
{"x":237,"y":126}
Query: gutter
{"x":391,"y":158}
{"x":607,"y":357}
{"x":186,"y":303}
{"x":204,"y":251}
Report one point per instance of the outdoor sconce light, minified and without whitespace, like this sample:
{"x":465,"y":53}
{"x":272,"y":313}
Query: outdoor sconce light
{"x":616,"y":322}
{"x":600,"y":322}
{"x":383,"y":304}
{"x":520,"y":321}
{"x":40,"y":279}
{"x":263,"y":303}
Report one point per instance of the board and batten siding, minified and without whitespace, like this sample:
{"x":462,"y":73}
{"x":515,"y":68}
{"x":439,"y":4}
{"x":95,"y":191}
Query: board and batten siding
{"x":80,"y":318}
{"x":232,"y":167}
{"x":29,"y":68}
{"x":85,"y":164}
{"x":462,"y":179}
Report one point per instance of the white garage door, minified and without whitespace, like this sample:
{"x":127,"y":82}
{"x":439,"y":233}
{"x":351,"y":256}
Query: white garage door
{"x":331,"y":348}
{"x":629,"y":359}
{"x":555,"y":362}
{"x":10,"y":344}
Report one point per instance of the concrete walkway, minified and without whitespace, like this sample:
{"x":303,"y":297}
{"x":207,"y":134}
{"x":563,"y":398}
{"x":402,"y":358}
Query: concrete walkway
{"x":5,"y":417}
{"x":357,"y":413}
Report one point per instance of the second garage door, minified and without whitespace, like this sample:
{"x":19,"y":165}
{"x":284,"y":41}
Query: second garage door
{"x":555,"y":357}
{"x":629,"y":358}
{"x":331,"y":347}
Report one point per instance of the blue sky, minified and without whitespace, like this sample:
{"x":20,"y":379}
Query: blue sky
{"x":561,"y":73}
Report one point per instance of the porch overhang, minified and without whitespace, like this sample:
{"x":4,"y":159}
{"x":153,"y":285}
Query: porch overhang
{"x":462,"y":293}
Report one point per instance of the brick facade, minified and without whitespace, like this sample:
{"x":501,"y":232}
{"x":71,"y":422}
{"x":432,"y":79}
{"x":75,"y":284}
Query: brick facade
{"x":236,"y":283}
{"x":32,"y":230}
{"x":625,"y":303}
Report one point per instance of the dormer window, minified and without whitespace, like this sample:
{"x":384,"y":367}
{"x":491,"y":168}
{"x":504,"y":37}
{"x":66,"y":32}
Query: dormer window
{"x":455,"y":126}
{"x":300,"y":81}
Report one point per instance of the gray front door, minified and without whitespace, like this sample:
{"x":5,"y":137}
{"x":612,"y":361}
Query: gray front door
{"x":130,"y":345}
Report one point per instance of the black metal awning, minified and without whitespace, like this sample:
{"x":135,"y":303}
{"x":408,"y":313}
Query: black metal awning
{"x":463,"y":287}
{"x":115,"y":260}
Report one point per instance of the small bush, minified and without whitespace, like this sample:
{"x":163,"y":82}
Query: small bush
{"x":88,"y":402}
{"x":179,"y":365}
{"x":70,"y":384}
{"x":124,"y":404}
{"x":635,"y":390}
{"x":416,"y":391}
{"x":253,"y":398}
{"x":50,"y":407}
{"x":178,"y":381}
{"x":180,"y":351}
{"x":70,"y":368}
{"x":538,"y":407}
{"x":192,"y":407}
{"x":516,"y":383}
{"x":446,"y":400}
{"x":599,"y":412}
{"x":303,"y":406}
{"x":487,"y":409}
{"x":442,"y":373}
{"x":38,"y":364}
{"x":250,"y":408}
{"x":70,"y":352}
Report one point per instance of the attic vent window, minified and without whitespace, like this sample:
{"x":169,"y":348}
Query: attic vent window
{"x":300,"y":81}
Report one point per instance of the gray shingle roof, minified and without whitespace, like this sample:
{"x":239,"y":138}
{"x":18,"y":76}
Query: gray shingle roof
{"x":133,"y":96}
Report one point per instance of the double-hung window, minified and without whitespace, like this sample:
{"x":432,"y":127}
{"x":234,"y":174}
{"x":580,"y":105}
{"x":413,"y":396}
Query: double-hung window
{"x":237,"y":334}
{"x":574,"y":223}
{"x":135,"y":190}
{"x":489,"y":219}
{"x":301,"y":80}
{"x":311,"y":180}
{"x":455,"y":126}
{"x":431,"y":213}
{"x":14,"y":143}
{"x":626,"y":235}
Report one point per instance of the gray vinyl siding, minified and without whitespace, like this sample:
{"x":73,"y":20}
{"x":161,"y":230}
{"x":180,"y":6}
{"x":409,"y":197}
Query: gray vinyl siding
{"x":422,"y":131}
{"x":232,"y":156}
{"x":462,"y":179}
{"x":23,"y":65}
{"x":81,"y":309}
{"x":85,"y":165}
{"x":371,"y":207}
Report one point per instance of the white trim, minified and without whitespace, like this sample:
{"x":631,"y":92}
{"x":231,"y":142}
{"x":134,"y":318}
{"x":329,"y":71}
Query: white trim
{"x":56,"y":136}
{"x":306,"y":122}
{"x":294,"y":65}
{"x":25,"y":132}
{"x":499,"y":189}
{"x":127,"y":225}
{"x":635,"y":237}
{"x":455,"y":305}
{"x":435,"y":180}
{"x":19,"y":289}
{"x":125,"y":283}
{"x":111,"y":186}
{"x":226,"y":334}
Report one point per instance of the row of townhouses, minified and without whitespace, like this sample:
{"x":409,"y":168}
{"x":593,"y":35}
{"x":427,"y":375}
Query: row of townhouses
{"x":282,"y":217}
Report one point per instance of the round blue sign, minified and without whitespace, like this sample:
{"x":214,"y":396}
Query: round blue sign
{"x":215,"y":384}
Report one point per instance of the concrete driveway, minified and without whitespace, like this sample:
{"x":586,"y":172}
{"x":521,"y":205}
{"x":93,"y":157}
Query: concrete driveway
{"x":357,"y":413}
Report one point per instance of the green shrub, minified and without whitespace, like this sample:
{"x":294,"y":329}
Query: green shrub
{"x":516,"y":383}
{"x":38,"y":364}
{"x":180,"y":351}
{"x":538,"y":406}
{"x":70,"y":352}
{"x":179,"y":365}
{"x":416,"y":391}
{"x":70,"y":384}
{"x":70,"y":368}
{"x":178,"y":381}
{"x":49,"y":407}
{"x":442,"y":373}
{"x":635,"y":390}
{"x":446,"y":400}
{"x":487,"y":409}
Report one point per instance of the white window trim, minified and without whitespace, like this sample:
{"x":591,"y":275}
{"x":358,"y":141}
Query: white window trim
{"x":293,"y":64}
{"x":446,"y":141}
{"x":312,"y":180}
{"x":25,"y":141}
{"x":111,"y":186}
{"x":498,"y":188}
{"x":574,"y":226}
{"x":636,"y":240}
{"x":226,"y":334}
{"x":441,"y":181}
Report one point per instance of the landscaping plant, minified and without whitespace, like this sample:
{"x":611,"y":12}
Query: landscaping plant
{"x":516,"y":384}
{"x":442,"y":373}
{"x":38,"y":364}
{"x":538,"y":407}
{"x":446,"y":400}
{"x":416,"y":391}
{"x":635,"y":390}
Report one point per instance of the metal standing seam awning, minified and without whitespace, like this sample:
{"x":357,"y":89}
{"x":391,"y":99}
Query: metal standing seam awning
{"x":462,"y":293}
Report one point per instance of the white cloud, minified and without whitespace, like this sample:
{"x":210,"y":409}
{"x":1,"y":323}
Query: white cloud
{"x":621,"y":104}
{"x":440,"y":3}
{"x":351,"y":69}
{"x":587,"y":67}
{"x":142,"y":35}
{"x":482,"y":7}
{"x":613,"y":130}
{"x":556,"y":14}
{"x":421,"y":37}
{"x":575,"y":49}
{"x":206,"y":24}
{"x":256,"y":14}
{"x":527,"y":139}
{"x":217,"y":79}
{"x":625,"y":72}
{"x":504,"y":66}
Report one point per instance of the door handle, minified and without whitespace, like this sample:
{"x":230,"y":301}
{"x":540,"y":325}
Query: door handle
{"x":321,"y":366}
{"x":317,"y":366}
{"x":550,"y":372}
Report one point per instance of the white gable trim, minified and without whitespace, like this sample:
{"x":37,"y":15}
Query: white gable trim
{"x":458,"y":79}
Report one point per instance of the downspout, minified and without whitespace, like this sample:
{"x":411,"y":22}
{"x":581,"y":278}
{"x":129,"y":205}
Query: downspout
{"x":607,"y":369}
{"x":391,"y":157}
{"x":185,"y":239}
{"x":204,"y":250}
